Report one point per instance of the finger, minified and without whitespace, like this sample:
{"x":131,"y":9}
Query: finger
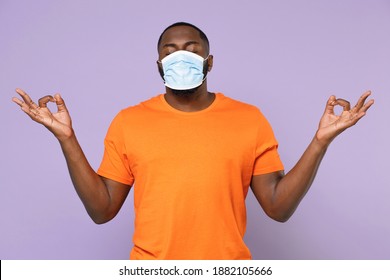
{"x":44,"y":100}
{"x":329,"y":109}
{"x":357,"y":116}
{"x":18,"y":101}
{"x":25,"y":107}
{"x":60,"y":103}
{"x":343,"y":103}
{"x":367,"y":106}
{"x":362,"y":100}
{"x":33,"y":113}
{"x":26,"y":98}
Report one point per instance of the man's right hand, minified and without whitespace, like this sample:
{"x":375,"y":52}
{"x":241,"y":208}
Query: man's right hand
{"x":101,"y":197}
{"x":58,"y":123}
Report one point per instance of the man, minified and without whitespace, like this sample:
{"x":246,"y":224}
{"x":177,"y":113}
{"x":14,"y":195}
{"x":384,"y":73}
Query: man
{"x":191,"y":156}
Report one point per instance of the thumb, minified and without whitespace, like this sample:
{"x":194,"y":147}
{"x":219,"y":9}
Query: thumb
{"x":329,"y":109}
{"x":60,"y":103}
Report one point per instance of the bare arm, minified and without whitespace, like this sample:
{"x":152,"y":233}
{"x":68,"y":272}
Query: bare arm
{"x":101,"y":197}
{"x":280,"y":194}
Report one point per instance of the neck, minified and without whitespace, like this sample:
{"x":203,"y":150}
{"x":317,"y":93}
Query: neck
{"x":190,"y":102}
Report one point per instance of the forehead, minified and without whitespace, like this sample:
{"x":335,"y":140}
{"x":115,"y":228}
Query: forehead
{"x":180,"y":34}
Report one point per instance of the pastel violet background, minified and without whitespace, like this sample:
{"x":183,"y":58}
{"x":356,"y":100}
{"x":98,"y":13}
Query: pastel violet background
{"x":286,"y":57}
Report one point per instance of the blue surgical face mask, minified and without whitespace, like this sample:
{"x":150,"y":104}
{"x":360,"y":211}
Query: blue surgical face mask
{"x":183,"y":70}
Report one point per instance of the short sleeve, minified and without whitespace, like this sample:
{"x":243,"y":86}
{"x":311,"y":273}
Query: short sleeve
{"x":267,"y":158}
{"x":115,"y":165}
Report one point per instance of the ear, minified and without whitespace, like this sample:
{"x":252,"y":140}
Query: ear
{"x":210,"y":61}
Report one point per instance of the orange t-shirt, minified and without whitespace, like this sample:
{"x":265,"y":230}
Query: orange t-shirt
{"x":191,"y":173}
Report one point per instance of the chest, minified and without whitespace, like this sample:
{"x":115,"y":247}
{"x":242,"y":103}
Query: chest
{"x":190,"y":140}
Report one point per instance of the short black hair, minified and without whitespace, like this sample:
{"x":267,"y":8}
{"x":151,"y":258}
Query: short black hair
{"x":182,"y":23}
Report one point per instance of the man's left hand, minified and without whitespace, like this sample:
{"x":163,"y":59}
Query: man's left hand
{"x":332,"y":125}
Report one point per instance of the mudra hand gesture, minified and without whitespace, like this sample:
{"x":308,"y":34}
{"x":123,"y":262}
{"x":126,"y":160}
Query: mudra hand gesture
{"x":58,"y":123}
{"x":332,"y":125}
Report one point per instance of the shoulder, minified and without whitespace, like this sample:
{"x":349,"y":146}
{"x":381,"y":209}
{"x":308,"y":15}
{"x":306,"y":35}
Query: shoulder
{"x":148,"y":104}
{"x":143,"y":107}
{"x":135,"y":114}
{"x":243,"y":113}
{"x":239,"y":107}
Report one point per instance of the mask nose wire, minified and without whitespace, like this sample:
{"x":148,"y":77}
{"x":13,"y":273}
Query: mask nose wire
{"x":204,"y":59}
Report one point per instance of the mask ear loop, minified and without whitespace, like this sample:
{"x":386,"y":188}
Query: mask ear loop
{"x":160,"y":70}
{"x":207,"y":68}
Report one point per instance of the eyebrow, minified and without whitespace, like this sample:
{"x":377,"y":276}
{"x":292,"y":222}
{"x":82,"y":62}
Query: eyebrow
{"x":185,"y":45}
